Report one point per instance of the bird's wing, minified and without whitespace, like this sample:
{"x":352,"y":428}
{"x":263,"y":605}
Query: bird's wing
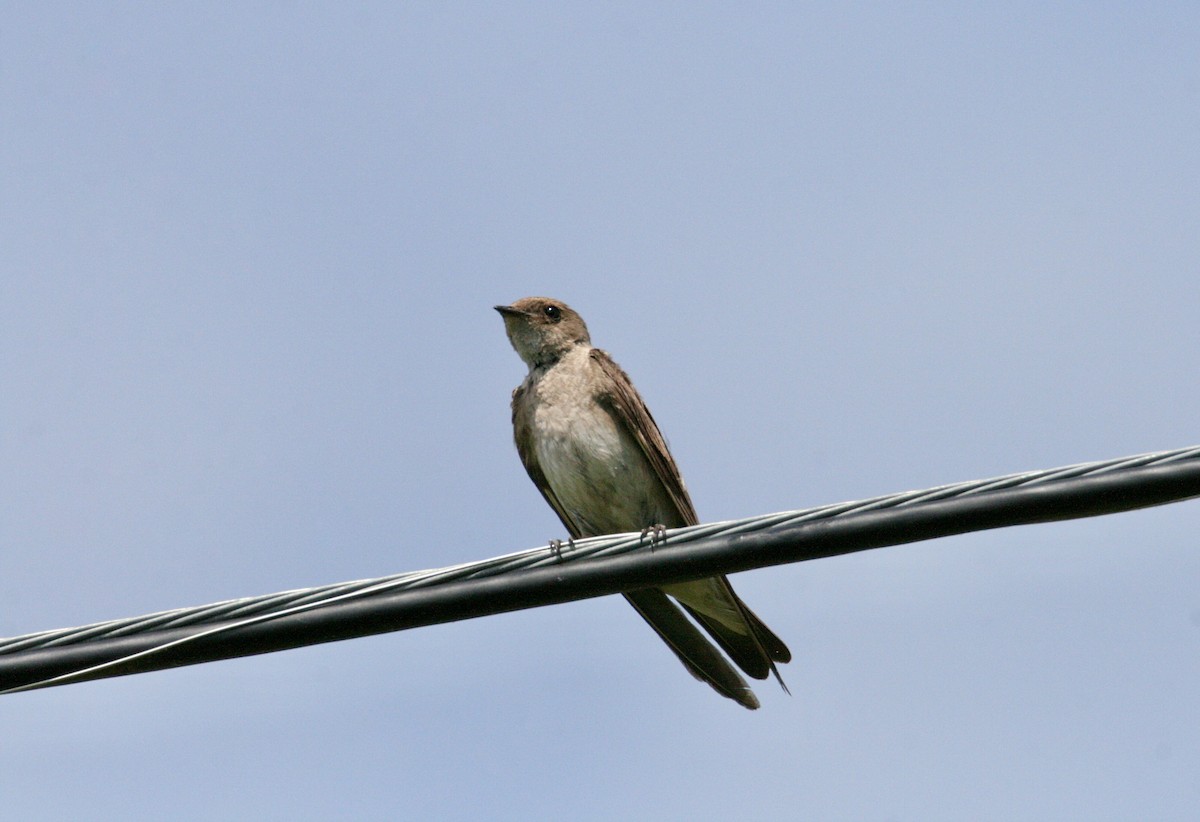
{"x":626,"y":405}
{"x":681,"y":636}
{"x":753,"y":646}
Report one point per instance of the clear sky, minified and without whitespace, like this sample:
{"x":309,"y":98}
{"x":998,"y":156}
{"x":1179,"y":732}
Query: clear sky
{"x":248,"y":255}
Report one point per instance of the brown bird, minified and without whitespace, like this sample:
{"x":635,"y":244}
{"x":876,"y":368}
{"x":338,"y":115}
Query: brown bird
{"x":591,"y":447}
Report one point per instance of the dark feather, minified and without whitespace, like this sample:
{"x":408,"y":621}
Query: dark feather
{"x":694,"y":651}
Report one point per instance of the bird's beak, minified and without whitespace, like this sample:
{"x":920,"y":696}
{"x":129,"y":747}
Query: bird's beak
{"x":509,"y":311}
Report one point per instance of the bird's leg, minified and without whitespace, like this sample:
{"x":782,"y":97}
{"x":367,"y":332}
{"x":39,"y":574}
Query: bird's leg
{"x":657,"y":532}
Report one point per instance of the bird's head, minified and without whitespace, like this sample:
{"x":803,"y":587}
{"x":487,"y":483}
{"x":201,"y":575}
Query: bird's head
{"x":542,"y":329}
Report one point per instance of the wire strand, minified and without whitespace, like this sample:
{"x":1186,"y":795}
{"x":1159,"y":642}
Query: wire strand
{"x":330,"y":612}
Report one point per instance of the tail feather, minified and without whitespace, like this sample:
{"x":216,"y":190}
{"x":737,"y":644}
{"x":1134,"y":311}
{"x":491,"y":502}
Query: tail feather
{"x":738,"y":630}
{"x":771,"y":643}
{"x":745,"y":652}
{"x":755,"y":653}
{"x":695,"y":652}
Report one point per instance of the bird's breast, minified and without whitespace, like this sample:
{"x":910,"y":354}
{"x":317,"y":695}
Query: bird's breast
{"x":596,"y":470}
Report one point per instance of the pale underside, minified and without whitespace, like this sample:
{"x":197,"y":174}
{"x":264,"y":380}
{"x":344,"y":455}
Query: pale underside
{"x":600,"y":475}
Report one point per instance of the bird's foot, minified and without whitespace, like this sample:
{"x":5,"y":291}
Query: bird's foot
{"x":556,"y":546}
{"x":658,"y":534}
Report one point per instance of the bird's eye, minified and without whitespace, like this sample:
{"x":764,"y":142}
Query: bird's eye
{"x":552,"y":312}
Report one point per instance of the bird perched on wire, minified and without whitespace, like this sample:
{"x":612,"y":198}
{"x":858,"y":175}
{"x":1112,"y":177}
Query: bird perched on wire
{"x":590,"y":446}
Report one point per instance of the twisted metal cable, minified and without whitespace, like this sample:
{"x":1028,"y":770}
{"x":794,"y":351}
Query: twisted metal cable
{"x":185,"y":625}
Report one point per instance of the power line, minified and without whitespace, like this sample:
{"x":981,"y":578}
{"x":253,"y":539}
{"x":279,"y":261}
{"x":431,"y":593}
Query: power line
{"x":588,"y":568}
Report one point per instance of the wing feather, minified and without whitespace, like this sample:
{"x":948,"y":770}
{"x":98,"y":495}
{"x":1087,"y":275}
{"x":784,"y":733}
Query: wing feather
{"x":623,"y":400}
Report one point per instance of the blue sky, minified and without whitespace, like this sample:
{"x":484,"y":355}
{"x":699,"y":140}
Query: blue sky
{"x":249,"y":258}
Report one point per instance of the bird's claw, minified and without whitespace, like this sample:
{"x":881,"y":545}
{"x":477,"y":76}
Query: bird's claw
{"x":657,"y":532}
{"x":556,"y":546}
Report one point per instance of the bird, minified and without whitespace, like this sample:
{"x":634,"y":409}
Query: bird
{"x":590,"y":445}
